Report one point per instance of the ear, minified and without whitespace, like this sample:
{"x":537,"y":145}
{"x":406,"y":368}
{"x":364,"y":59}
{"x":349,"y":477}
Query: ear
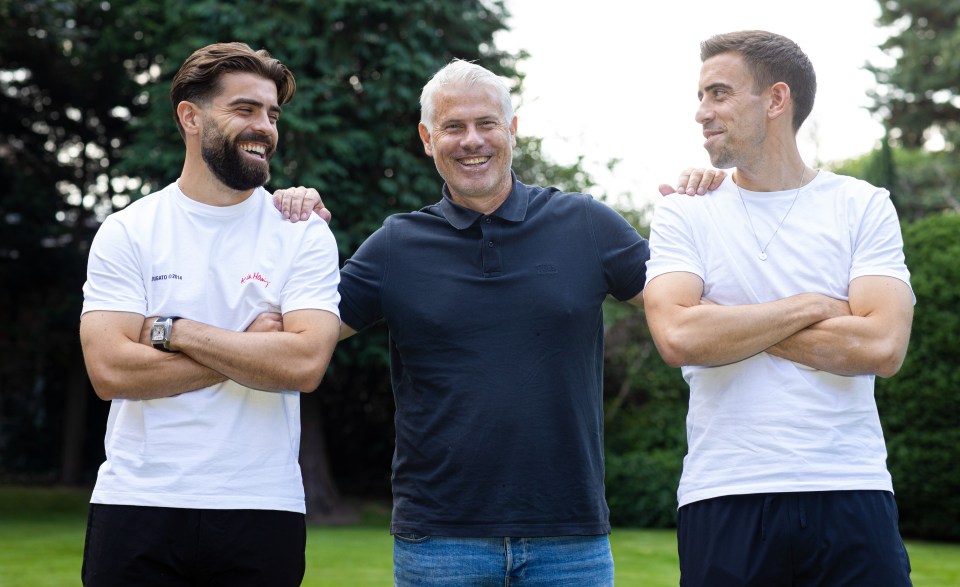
{"x":513,"y":132}
{"x":425,"y":137}
{"x":780,"y":100}
{"x":189,"y":115}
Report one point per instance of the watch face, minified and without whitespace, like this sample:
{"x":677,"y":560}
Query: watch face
{"x":156,"y":332}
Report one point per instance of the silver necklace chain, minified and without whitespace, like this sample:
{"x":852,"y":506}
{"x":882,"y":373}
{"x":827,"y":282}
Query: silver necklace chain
{"x":763,"y":250}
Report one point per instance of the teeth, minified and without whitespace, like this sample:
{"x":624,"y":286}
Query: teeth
{"x":259,"y":149}
{"x":474,"y":160}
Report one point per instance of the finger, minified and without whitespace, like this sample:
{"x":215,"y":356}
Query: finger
{"x":281,"y":201}
{"x":324,"y":214}
{"x":296,"y":204}
{"x":666,"y":189}
{"x":696,"y":177}
{"x":318,"y":207}
{"x":718,"y":176}
{"x":683,"y":180}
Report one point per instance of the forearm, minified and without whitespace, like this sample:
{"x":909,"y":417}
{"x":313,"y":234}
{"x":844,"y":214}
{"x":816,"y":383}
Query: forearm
{"x":269,"y":361}
{"x":152,"y":376}
{"x":872,"y":340}
{"x":850,"y":345}
{"x":120,"y":367}
{"x":710,"y":335}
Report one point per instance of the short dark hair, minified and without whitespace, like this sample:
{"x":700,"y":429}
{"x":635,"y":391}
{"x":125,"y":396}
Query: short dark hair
{"x":198,"y":79}
{"x":771,"y":58}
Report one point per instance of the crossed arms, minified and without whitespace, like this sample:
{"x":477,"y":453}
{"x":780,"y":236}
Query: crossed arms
{"x":867,"y":335}
{"x":274,"y":353}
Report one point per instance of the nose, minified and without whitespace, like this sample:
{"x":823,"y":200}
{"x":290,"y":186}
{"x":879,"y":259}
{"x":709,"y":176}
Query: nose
{"x":703,"y":114}
{"x":472,"y":137}
{"x":261,"y":123}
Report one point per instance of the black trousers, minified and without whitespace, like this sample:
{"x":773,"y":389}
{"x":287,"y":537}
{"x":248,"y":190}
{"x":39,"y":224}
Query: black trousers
{"x":171,"y":547}
{"x":807,"y":539}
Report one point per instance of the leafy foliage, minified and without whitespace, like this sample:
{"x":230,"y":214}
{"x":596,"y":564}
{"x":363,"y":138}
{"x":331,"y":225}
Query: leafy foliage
{"x":646,"y":406}
{"x":922,"y":90}
{"x":921,"y":182}
{"x":919,"y":407}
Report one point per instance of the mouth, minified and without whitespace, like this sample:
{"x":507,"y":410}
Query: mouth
{"x":711,"y":136}
{"x":257,"y":150}
{"x":473,"y":161}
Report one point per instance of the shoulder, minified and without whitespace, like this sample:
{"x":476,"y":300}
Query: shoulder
{"x":142,"y":207}
{"x":827,"y":181}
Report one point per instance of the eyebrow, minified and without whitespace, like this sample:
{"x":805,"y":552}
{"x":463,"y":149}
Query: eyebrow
{"x":257,"y":103}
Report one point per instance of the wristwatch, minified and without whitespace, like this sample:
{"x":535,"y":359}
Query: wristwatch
{"x":160,"y":333}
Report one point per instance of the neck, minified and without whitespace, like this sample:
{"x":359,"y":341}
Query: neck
{"x":197,"y":183}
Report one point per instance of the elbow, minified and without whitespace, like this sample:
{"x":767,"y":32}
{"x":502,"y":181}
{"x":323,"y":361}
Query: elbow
{"x":672,"y":350}
{"x":106,"y":387}
{"x":309,"y":384}
{"x":889,"y":366}
{"x":312,"y":376}
{"x":889,"y":359}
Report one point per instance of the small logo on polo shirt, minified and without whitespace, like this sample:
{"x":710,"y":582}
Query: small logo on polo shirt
{"x":166,"y":277}
{"x":546,"y":269}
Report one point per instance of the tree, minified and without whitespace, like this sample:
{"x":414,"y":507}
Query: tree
{"x":59,"y":142}
{"x":921,"y":91}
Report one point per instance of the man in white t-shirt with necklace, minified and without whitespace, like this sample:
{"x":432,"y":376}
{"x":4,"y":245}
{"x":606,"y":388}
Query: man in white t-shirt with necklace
{"x":782,"y":296}
{"x":205,"y":316}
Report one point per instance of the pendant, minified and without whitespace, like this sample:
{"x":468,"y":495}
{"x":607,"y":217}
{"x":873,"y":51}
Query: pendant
{"x":763,"y":256}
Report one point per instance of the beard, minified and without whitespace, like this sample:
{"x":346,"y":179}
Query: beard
{"x":224,"y":159}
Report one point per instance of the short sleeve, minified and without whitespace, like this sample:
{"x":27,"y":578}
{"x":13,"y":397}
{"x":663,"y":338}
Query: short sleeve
{"x":361,"y":282}
{"x":315,"y":274}
{"x":672,"y":247}
{"x":114,"y":275}
{"x":623,"y":252}
{"x":878,"y":249}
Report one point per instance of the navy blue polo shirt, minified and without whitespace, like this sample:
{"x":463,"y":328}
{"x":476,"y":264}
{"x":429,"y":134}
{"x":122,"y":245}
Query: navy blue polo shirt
{"x":496,"y":346}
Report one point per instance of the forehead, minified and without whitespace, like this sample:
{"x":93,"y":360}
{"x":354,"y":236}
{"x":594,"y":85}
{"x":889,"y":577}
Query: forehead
{"x":243,"y":85}
{"x":726,"y":68}
{"x":466,"y":102}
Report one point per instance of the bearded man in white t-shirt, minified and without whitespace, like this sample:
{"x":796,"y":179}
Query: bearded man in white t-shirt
{"x":205,"y":316}
{"x":783,"y":295}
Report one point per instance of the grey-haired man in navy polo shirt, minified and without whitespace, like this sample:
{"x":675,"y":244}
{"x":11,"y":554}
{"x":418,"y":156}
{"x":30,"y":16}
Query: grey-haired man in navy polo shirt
{"x":493,"y":299}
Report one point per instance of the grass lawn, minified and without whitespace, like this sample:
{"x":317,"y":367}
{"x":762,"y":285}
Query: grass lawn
{"x":42,"y":530}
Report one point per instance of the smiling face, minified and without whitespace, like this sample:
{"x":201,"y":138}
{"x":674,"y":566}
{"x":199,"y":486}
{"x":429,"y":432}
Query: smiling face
{"x":471,"y":143}
{"x":239,"y":131}
{"x":733,"y":117}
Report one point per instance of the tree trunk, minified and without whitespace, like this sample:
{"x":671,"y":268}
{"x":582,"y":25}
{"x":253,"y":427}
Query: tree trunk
{"x":324,"y":504}
{"x":74,"y":421}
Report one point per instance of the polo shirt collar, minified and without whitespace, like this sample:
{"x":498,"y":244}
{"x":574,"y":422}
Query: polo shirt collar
{"x":513,"y":209}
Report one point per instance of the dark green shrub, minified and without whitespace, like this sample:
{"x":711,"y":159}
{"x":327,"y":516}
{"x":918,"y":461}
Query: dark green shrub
{"x":920,"y":406}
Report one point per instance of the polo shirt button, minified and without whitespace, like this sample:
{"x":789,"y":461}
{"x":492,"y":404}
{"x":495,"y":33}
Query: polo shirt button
{"x":487,"y":221}
{"x":490,"y":244}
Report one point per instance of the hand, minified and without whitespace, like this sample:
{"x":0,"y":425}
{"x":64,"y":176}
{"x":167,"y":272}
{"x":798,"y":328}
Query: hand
{"x":145,"y":331}
{"x":695,"y":182}
{"x":295,"y":204}
{"x":266,"y":322}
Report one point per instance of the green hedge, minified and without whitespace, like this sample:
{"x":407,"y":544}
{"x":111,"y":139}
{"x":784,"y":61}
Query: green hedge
{"x":920,"y":406}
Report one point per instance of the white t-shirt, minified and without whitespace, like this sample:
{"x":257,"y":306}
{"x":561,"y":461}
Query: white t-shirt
{"x":225,"y":446}
{"x":766,"y":424}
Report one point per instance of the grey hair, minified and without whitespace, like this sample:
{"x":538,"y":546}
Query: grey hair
{"x":463,"y":73}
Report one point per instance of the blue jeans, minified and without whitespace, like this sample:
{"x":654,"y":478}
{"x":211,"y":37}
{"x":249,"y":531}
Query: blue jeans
{"x":435,"y":561}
